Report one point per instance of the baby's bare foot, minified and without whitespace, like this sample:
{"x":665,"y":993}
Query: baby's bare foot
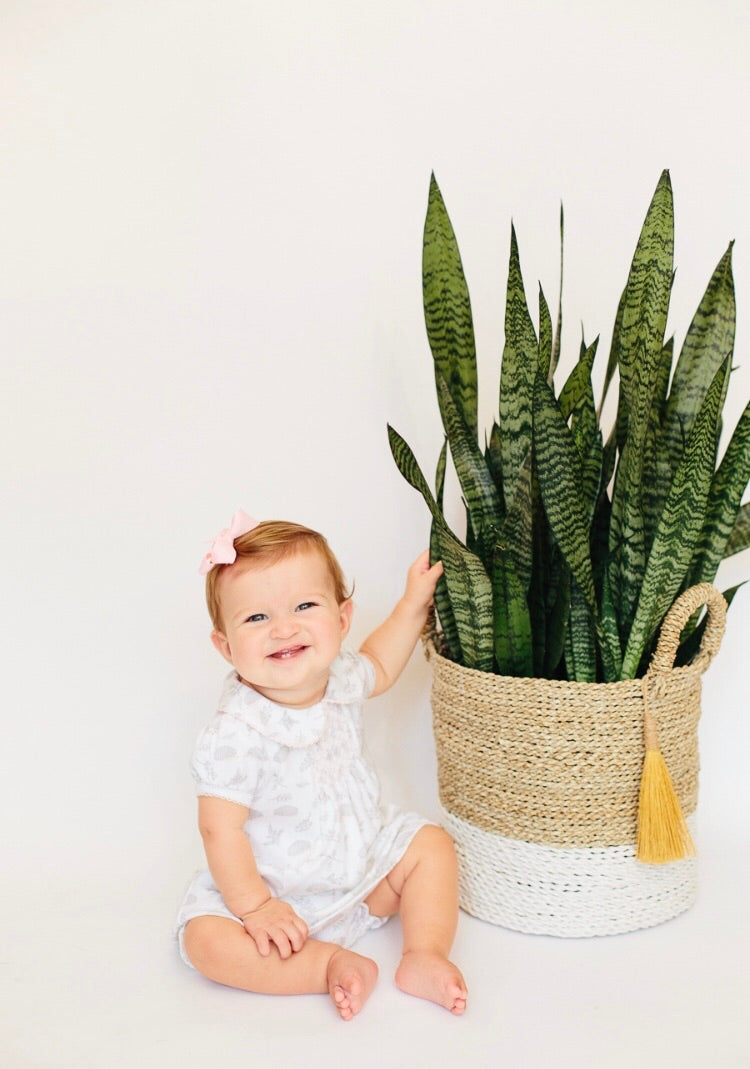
{"x":431,"y":976}
{"x":351,"y":979}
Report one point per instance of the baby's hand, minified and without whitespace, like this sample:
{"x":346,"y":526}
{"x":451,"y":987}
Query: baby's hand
{"x":421,"y":580}
{"x":276,"y":922}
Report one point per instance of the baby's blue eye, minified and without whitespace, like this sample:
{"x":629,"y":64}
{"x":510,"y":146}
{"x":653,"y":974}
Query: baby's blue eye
{"x":255,"y":618}
{"x":306,"y":605}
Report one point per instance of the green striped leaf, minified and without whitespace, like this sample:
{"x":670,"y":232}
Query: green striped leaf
{"x":627,"y":536}
{"x":640,"y":346}
{"x":469,"y":587}
{"x":657,"y":469}
{"x":610,"y":629}
{"x":470,"y":591}
{"x":614,"y":353}
{"x":580,"y":640}
{"x":471,"y":538}
{"x":545,"y":335}
{"x":447,"y":309}
{"x":599,"y":535}
{"x":609,"y":459}
{"x":516,"y":529}
{"x":647,"y":292}
{"x":642,"y":483}
{"x":727,"y":487}
{"x":407,"y":464}
{"x":442,"y":598}
{"x":477,"y":484}
{"x":577,"y":391}
{"x":520,"y":360}
{"x":511,"y":621}
{"x":442,"y":465}
{"x":576,"y":401}
{"x":578,"y":632}
{"x":592,"y":474}
{"x":560,"y":477}
{"x":662,"y":381}
{"x":544,"y":551}
{"x":493,"y":457}
{"x":679,"y":527}
{"x":740,"y":536}
{"x":708,"y":343}
{"x":557,"y":611}
{"x":586,"y":434}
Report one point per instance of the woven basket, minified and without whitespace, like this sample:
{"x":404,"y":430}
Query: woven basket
{"x":539,"y":782}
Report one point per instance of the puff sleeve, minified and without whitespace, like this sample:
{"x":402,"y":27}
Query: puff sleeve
{"x":222,"y":765}
{"x":364,"y":671}
{"x":354,"y":676}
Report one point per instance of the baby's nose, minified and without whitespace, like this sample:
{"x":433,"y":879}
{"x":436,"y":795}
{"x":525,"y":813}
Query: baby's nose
{"x":285,"y":626}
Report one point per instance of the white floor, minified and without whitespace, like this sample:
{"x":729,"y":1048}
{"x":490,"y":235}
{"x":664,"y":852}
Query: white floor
{"x":92,"y":980}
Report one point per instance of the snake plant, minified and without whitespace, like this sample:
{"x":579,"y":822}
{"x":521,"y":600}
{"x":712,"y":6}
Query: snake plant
{"x":577,"y":542}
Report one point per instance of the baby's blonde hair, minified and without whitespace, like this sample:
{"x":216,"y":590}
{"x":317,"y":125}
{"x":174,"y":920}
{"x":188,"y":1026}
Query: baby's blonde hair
{"x":269,"y":542}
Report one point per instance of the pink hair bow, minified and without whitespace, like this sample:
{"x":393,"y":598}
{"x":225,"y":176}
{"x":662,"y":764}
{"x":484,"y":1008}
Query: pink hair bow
{"x":222,"y":549}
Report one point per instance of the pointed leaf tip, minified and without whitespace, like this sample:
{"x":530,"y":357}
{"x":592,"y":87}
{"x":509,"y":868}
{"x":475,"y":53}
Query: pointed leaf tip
{"x":664,"y":183}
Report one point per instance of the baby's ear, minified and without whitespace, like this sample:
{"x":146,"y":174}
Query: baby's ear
{"x":220,"y":643}
{"x":346,"y":611}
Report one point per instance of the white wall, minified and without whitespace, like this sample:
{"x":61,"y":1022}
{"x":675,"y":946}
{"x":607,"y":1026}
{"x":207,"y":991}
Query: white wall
{"x":211,"y":298}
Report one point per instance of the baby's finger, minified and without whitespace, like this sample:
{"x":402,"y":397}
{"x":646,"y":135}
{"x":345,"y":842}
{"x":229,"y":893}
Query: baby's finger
{"x":262,"y":942}
{"x":297,"y":934}
{"x":421,"y":564}
{"x":283,"y":944}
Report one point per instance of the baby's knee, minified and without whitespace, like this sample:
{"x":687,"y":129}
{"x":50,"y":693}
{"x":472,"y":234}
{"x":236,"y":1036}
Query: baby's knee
{"x":437,"y":842}
{"x":204,"y":941}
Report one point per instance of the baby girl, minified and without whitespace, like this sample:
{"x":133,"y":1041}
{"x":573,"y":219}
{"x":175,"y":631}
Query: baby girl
{"x":302,"y":859}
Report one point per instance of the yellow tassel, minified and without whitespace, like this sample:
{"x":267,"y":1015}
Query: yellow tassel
{"x":663,"y":834}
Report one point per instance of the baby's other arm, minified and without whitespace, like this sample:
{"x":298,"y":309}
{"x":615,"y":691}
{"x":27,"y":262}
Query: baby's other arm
{"x":232,"y":864}
{"x":390,"y":646}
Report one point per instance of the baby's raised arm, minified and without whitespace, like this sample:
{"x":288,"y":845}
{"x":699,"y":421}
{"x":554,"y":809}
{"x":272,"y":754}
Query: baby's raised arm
{"x":390,"y":646}
{"x":232,"y":864}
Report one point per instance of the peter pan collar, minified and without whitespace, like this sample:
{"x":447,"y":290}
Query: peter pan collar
{"x":295,"y":728}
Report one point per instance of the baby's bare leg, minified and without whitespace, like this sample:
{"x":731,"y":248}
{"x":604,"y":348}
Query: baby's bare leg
{"x":423,"y":889}
{"x":223,"y":951}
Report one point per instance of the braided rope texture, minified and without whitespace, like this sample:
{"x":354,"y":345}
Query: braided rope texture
{"x":554,"y":762}
{"x":558,"y":763}
{"x":577,"y":892}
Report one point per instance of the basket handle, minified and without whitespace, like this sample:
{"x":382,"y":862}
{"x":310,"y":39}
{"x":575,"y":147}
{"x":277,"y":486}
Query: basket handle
{"x":678,"y":616}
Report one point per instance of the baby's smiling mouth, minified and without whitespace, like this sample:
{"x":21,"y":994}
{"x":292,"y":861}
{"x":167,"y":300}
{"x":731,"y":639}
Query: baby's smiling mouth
{"x":287,"y":653}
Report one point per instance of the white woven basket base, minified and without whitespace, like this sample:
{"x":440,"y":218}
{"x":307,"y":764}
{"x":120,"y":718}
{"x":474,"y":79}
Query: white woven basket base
{"x":581,"y":891}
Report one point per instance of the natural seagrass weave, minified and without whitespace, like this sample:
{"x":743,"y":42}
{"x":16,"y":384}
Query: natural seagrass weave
{"x":559,"y":763}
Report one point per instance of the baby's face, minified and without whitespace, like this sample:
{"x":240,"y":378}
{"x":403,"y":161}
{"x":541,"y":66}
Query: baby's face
{"x":282,"y":626}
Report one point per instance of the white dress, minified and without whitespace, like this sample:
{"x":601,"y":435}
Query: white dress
{"x":320,"y":838}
